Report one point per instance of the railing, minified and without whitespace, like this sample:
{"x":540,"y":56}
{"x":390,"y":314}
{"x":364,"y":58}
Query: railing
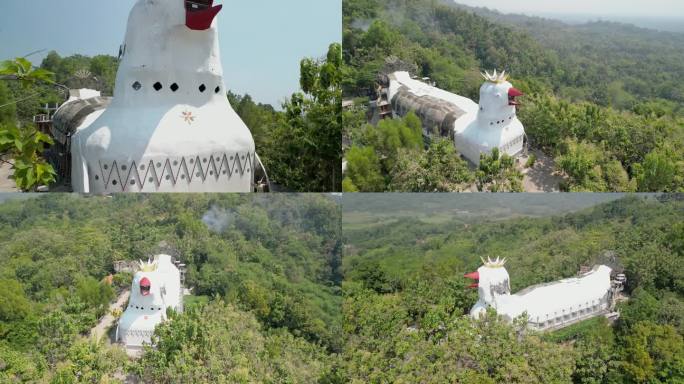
{"x":42,"y":119}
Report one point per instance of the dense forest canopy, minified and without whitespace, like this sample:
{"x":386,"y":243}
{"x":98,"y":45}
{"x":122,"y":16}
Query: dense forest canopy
{"x":264,"y":273}
{"x":299,"y":145}
{"x":611,"y":63}
{"x":405,"y":296}
{"x":603,"y":99}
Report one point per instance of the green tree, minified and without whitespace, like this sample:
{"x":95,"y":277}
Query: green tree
{"x":8,"y":110}
{"x":18,"y":367}
{"x":91,"y":361}
{"x":497,"y":173}
{"x":305,"y":150}
{"x":25,"y":145}
{"x":14,"y":305}
{"x":363,"y":170}
{"x":581,"y":162}
{"x":653,"y":353}
{"x":658,"y":173}
{"x":94,"y":294}
{"x":595,"y":350}
{"x":391,"y":135}
{"x":217,"y":343}
{"x":439,"y":169}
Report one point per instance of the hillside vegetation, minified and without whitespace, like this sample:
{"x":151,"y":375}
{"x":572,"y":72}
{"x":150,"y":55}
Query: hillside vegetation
{"x":406,"y":298}
{"x":603,"y":99}
{"x":264,"y":273}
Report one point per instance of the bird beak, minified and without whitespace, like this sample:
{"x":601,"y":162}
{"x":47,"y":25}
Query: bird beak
{"x":473,"y":275}
{"x":512,"y":94}
{"x":199,"y":14}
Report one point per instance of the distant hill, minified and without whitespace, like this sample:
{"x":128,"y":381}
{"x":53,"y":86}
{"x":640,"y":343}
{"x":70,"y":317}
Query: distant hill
{"x":628,"y":60}
{"x":472,"y":205}
{"x":658,"y":24}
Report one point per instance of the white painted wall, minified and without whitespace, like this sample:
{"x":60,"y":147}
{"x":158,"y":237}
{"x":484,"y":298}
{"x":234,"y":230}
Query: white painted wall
{"x":152,"y":140}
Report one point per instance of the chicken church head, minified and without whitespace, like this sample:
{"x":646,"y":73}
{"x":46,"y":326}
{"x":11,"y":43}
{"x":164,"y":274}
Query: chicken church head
{"x":497,"y":99}
{"x":156,"y":287}
{"x":495,"y":125}
{"x":492,"y":282}
{"x":169,"y":127}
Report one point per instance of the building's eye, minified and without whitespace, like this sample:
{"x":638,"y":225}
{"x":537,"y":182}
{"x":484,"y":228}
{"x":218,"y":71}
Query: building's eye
{"x":197,"y":5}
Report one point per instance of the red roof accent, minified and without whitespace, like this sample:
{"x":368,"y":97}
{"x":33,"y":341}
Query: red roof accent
{"x":473,"y":275}
{"x":473,"y":285}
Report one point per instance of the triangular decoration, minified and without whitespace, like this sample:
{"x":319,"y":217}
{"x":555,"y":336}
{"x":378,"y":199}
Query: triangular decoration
{"x":224,"y":167}
{"x":133,"y":178}
{"x":173,"y":170}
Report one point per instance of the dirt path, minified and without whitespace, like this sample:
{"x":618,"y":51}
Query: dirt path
{"x":7,"y":184}
{"x":108,"y":320}
{"x":543,"y":177}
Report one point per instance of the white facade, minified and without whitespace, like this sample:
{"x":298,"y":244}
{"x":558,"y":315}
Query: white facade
{"x":548,"y":306}
{"x":169,"y":127}
{"x":476,"y":128}
{"x":156,"y":287}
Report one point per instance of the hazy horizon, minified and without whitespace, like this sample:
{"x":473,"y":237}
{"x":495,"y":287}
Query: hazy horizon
{"x":512,"y":204}
{"x":661,"y":9}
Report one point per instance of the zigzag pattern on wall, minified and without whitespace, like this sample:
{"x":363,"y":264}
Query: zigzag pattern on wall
{"x":117,"y":175}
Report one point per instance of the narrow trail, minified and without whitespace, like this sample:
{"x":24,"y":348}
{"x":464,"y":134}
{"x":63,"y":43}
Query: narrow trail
{"x":108,"y":320}
{"x":542,"y":177}
{"x":7,"y":184}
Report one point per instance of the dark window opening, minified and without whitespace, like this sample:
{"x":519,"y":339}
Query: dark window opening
{"x":137,"y":86}
{"x":174,"y":87}
{"x":197,"y":5}
{"x":158,"y":86}
{"x":217,"y":90}
{"x":202,"y":88}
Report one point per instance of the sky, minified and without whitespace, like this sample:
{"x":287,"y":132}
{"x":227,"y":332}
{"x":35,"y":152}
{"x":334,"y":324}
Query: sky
{"x":262,"y":41}
{"x":669,"y":9}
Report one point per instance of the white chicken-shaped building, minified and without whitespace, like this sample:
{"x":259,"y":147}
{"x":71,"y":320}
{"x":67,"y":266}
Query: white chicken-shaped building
{"x":169,"y":127}
{"x":548,"y":306}
{"x":476,"y":128}
{"x":156,"y":287}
